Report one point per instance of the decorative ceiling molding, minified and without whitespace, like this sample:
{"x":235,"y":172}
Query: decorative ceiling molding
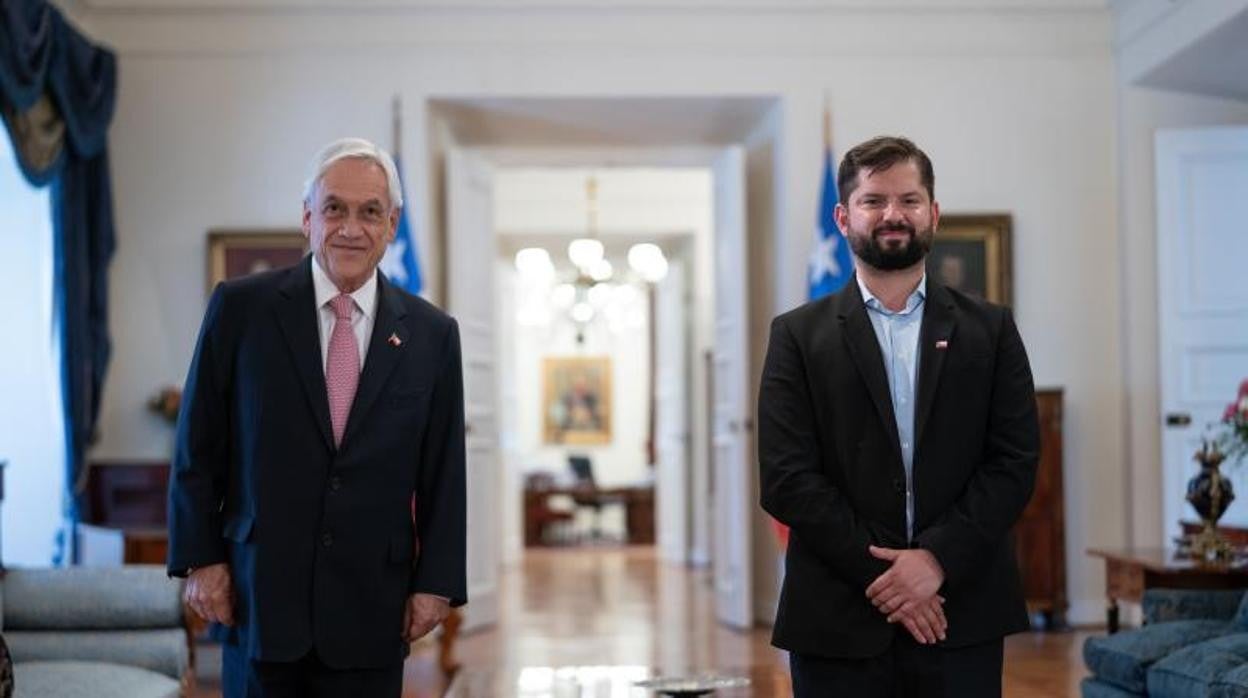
{"x":764,"y":6}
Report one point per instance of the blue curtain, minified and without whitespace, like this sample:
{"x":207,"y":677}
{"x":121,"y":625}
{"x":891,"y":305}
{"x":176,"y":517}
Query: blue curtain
{"x":57,"y":93}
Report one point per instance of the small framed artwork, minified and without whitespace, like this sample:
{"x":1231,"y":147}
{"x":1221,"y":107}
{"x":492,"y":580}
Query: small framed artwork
{"x":972,"y":254}
{"x":235,"y":253}
{"x":576,"y":400}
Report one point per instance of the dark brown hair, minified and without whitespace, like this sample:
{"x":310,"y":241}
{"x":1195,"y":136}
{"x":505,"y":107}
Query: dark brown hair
{"x":877,"y":155}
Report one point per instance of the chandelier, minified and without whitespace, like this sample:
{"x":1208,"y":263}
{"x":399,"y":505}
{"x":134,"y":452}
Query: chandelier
{"x":591,"y":289}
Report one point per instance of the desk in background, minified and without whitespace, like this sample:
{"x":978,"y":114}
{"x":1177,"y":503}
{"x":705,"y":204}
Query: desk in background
{"x":638,"y":505}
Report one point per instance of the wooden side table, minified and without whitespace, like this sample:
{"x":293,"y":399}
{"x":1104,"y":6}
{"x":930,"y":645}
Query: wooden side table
{"x":1130,"y":571}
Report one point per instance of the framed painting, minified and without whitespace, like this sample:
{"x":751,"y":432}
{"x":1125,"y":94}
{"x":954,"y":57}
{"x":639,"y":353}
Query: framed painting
{"x":972,"y":254}
{"x":576,"y":400}
{"x":235,"y":253}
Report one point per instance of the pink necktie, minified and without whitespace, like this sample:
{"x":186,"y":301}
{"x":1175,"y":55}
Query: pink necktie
{"x":342,"y":370}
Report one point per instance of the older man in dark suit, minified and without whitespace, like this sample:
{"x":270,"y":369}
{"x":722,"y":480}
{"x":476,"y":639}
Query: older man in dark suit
{"x":898,"y":440}
{"x":320,"y":401}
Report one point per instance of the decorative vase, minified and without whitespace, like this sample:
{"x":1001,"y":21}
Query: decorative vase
{"x":1210,"y":493}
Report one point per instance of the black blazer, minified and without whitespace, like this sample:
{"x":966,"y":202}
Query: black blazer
{"x":831,"y":467}
{"x":320,"y":540}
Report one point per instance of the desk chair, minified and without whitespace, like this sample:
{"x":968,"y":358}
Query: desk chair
{"x":587,"y":495}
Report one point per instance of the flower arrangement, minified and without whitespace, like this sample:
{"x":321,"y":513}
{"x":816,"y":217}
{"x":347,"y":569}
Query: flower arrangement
{"x":1232,"y":438}
{"x":166,"y":403}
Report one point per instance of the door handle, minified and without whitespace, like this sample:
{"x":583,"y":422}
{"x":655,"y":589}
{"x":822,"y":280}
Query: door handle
{"x":1178,"y":419}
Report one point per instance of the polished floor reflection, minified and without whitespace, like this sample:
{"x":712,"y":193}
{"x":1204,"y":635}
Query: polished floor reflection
{"x":610,"y":616}
{"x":588,"y":622}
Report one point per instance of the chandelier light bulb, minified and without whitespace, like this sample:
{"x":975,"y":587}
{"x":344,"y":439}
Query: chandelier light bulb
{"x":582,"y":312}
{"x":585,"y":252}
{"x":563,"y":296}
{"x":601,"y":270}
{"x":534,"y":263}
{"x":648,"y":261}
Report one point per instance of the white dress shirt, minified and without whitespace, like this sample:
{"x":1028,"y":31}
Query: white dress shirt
{"x":363,"y":316}
{"x":898,"y":335}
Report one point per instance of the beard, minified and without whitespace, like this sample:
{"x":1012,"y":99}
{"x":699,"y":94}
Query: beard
{"x":875,"y":253}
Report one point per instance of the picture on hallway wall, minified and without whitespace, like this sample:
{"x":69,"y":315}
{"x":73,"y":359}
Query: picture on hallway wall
{"x":576,"y":400}
{"x":972,"y":254}
{"x":235,"y":253}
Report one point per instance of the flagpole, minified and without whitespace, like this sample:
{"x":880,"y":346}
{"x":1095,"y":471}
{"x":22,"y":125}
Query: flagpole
{"x":396,"y":128}
{"x":827,"y":123}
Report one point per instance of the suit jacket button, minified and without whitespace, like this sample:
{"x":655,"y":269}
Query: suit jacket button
{"x":899,"y":485}
{"x":335,"y":483}
{"x":327,"y":539}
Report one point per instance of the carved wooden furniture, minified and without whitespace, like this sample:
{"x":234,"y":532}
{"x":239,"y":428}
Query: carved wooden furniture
{"x":1040,"y":534}
{"x":1129,"y":571}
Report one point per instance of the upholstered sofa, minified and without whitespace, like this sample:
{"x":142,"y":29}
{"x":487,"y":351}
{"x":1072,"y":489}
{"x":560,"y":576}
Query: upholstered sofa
{"x":1192,"y":644}
{"x":95,"y":631}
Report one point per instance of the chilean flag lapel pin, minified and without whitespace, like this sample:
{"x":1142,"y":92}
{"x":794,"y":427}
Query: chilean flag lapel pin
{"x":394,"y":340}
{"x":942,"y":344}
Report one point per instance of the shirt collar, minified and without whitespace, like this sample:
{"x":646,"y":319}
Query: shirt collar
{"x":365,"y":297}
{"x":916,"y":298}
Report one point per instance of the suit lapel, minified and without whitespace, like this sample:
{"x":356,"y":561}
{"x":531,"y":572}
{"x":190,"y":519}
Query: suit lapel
{"x":939,"y":322}
{"x":296,"y":315}
{"x":864,"y":347}
{"x":385,"y":348}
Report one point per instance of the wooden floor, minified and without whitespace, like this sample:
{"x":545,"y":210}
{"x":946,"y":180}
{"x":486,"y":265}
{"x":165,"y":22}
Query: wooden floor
{"x":590,"y":621}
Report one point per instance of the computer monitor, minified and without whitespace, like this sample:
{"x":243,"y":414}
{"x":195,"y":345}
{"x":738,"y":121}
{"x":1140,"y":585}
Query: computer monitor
{"x":582,"y":469}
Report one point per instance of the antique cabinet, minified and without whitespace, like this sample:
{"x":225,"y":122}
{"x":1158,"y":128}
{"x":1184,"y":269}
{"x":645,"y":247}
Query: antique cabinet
{"x":1040,"y":535}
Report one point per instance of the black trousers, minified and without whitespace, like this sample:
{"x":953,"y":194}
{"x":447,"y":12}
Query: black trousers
{"x":906,"y":670}
{"x":243,"y":677}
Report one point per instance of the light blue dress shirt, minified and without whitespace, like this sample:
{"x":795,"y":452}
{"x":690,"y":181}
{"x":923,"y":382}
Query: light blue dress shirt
{"x":898,"y":335}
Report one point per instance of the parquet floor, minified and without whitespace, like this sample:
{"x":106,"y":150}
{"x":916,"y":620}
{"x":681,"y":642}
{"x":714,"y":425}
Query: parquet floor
{"x":590,"y":621}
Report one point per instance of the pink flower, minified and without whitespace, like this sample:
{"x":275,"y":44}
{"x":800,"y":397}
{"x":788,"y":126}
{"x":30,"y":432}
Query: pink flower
{"x":1243,"y":388}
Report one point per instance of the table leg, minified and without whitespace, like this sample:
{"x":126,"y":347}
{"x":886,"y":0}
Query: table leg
{"x":1111,"y":616}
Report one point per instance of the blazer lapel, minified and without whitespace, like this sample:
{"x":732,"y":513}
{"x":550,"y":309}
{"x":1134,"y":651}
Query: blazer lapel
{"x":939,"y":322}
{"x":864,"y":347}
{"x":385,"y":348}
{"x":297,"y":318}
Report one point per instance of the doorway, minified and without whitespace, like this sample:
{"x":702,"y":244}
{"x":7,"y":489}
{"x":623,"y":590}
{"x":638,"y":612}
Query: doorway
{"x":476,"y":144}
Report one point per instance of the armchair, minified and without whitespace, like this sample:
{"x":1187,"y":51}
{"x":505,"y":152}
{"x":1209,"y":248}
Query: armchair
{"x":96,"y":631}
{"x":1193,"y":643}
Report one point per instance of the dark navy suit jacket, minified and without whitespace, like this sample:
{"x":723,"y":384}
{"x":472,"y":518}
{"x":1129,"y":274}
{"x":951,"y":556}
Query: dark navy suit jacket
{"x":320,"y":540}
{"x":831,"y":467}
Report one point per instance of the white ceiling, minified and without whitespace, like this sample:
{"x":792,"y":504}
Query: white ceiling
{"x":1214,"y":65}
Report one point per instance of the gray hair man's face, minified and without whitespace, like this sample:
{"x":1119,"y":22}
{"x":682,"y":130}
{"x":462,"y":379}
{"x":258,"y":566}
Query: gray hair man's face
{"x":349,"y":221}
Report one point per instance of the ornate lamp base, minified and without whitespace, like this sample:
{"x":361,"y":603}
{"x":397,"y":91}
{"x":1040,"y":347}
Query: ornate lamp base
{"x":1209,"y":545}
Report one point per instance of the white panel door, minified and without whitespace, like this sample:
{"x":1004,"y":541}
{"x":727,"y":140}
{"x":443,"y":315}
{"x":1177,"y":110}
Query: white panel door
{"x":1202,"y":247}
{"x":671,"y":421}
{"x":733,"y":500}
{"x":470,"y":283}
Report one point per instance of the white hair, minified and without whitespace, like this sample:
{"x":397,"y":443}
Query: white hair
{"x":354,"y":148}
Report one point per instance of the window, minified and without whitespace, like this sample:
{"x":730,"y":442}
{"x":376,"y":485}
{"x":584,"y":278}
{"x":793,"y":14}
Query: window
{"x":32,"y":421}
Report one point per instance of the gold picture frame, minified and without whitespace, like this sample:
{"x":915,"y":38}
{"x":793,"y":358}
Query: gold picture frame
{"x":235,"y":253}
{"x":576,"y":400}
{"x":972,"y":253}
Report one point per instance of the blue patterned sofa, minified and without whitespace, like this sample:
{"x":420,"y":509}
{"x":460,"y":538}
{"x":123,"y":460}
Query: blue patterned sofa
{"x":95,"y":631}
{"x":1193,"y":644}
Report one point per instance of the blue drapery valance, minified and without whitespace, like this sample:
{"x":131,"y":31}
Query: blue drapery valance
{"x":57,"y":94}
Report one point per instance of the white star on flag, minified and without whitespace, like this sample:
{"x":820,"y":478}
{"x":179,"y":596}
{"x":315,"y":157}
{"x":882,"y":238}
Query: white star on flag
{"x":823,"y":258}
{"x":392,"y":263}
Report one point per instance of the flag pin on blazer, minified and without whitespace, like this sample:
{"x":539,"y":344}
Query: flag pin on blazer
{"x":394,"y":340}
{"x":942,"y":344}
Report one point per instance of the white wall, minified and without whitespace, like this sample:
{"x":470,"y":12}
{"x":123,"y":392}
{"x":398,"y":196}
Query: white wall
{"x":219,"y":111}
{"x":32,"y":435}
